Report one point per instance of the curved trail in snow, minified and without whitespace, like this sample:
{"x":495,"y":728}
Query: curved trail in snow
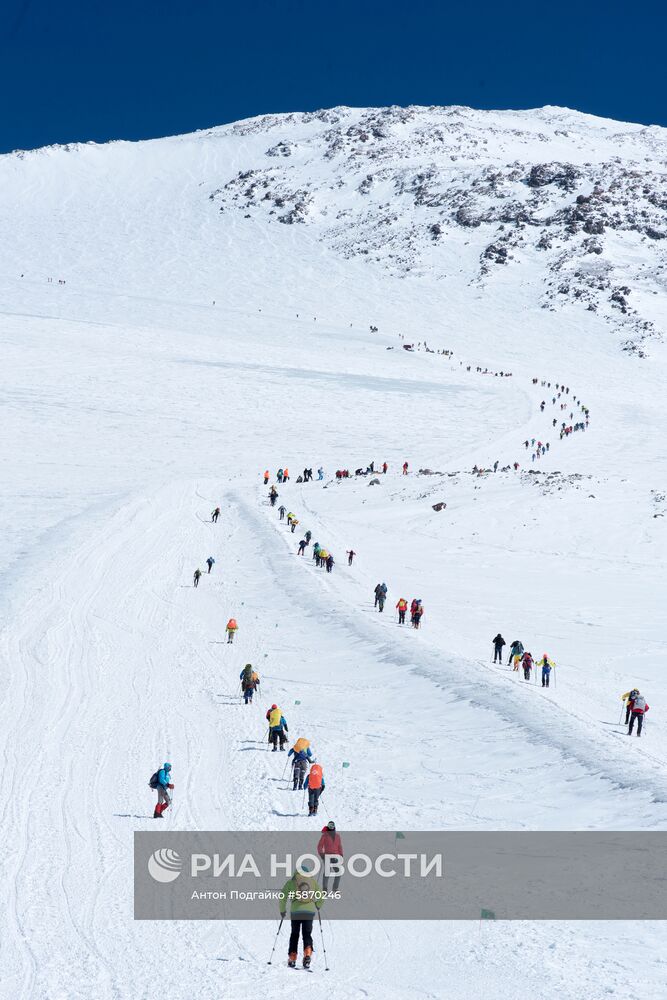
{"x":119,"y":664}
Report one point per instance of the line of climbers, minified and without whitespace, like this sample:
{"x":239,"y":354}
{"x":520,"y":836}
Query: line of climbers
{"x":231,"y":628}
{"x":521,"y":658}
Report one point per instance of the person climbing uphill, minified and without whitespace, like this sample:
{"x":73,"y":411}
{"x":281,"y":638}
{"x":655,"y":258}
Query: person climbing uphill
{"x":302,"y":758}
{"x":498,"y":644}
{"x":215,"y":515}
{"x":231,"y":629}
{"x":416,"y":612}
{"x":527,"y":663}
{"x":302,"y":893}
{"x":197,"y":577}
{"x":315,"y":785}
{"x":249,"y":683}
{"x":637,"y":713}
{"x":210,"y":562}
{"x":161,"y":781}
{"x":401,"y":607}
{"x":278,"y":728}
{"x":629,"y":697}
{"x":547,"y":666}
{"x":516,"y":649}
{"x":330,"y":845}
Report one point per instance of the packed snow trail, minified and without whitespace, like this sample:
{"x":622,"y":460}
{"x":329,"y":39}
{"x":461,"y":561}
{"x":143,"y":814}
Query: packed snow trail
{"x":119,"y":666}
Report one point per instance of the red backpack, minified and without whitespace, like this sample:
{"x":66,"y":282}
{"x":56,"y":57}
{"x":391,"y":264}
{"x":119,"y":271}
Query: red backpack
{"x":315,"y":776}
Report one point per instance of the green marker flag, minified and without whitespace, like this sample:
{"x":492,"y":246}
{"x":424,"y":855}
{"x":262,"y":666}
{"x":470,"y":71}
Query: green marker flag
{"x":297,"y":702}
{"x":346,"y":763}
{"x":487,"y":915}
{"x":399,"y":836}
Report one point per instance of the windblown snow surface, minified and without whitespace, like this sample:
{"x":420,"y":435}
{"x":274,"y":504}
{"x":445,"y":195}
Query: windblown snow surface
{"x":177,"y":316}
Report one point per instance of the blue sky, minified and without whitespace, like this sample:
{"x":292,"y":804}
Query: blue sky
{"x":93,"y":70}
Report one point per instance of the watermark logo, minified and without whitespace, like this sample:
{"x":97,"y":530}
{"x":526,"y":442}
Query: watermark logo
{"x":165,"y":865}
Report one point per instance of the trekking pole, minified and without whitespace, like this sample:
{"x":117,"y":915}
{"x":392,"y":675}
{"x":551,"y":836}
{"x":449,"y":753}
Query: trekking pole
{"x":620,"y":721}
{"x":326,"y":961}
{"x":284,"y":769}
{"x":276,"y":941}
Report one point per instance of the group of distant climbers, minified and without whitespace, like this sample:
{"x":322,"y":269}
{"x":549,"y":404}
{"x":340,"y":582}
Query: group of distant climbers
{"x":231,"y":628}
{"x":635,"y":703}
{"x":520,"y":658}
{"x":416,"y":607}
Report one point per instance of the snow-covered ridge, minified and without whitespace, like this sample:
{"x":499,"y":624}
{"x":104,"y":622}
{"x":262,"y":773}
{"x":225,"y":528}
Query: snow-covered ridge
{"x":401,"y":186}
{"x":570,"y":206}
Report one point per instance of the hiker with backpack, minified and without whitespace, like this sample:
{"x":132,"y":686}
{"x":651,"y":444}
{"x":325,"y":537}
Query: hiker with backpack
{"x":308,"y":537}
{"x":278,"y":727}
{"x":401,"y":607}
{"x":305,"y":899}
{"x":273,"y":496}
{"x":516,"y":649}
{"x":350,"y":556}
{"x":629,"y":697}
{"x":215,"y":515}
{"x":547,"y":666}
{"x":249,"y":683}
{"x":231,"y":629}
{"x":282,"y":511}
{"x":315,"y":785}
{"x":381,"y":588}
{"x":302,"y":758}
{"x":526,"y":661}
{"x":416,"y":612}
{"x":161,"y":781}
{"x":381,"y":598}
{"x":197,"y":577}
{"x":638,"y":710}
{"x":302,"y":547}
{"x":330,"y":845}
{"x":210,"y":562}
{"x":498,"y":644}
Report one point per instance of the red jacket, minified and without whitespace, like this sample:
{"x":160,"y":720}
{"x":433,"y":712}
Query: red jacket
{"x":639,"y":711}
{"x":329,"y":844}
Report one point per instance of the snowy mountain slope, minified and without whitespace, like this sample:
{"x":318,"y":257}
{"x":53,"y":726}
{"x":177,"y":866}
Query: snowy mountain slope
{"x":187,"y":350}
{"x":574,"y":206}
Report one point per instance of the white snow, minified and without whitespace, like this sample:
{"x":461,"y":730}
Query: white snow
{"x":131,"y":405}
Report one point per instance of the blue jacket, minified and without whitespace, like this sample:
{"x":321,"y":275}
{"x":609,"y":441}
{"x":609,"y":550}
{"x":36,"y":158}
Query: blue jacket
{"x":321,"y":788}
{"x":164,"y":775}
{"x":301,"y":754}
